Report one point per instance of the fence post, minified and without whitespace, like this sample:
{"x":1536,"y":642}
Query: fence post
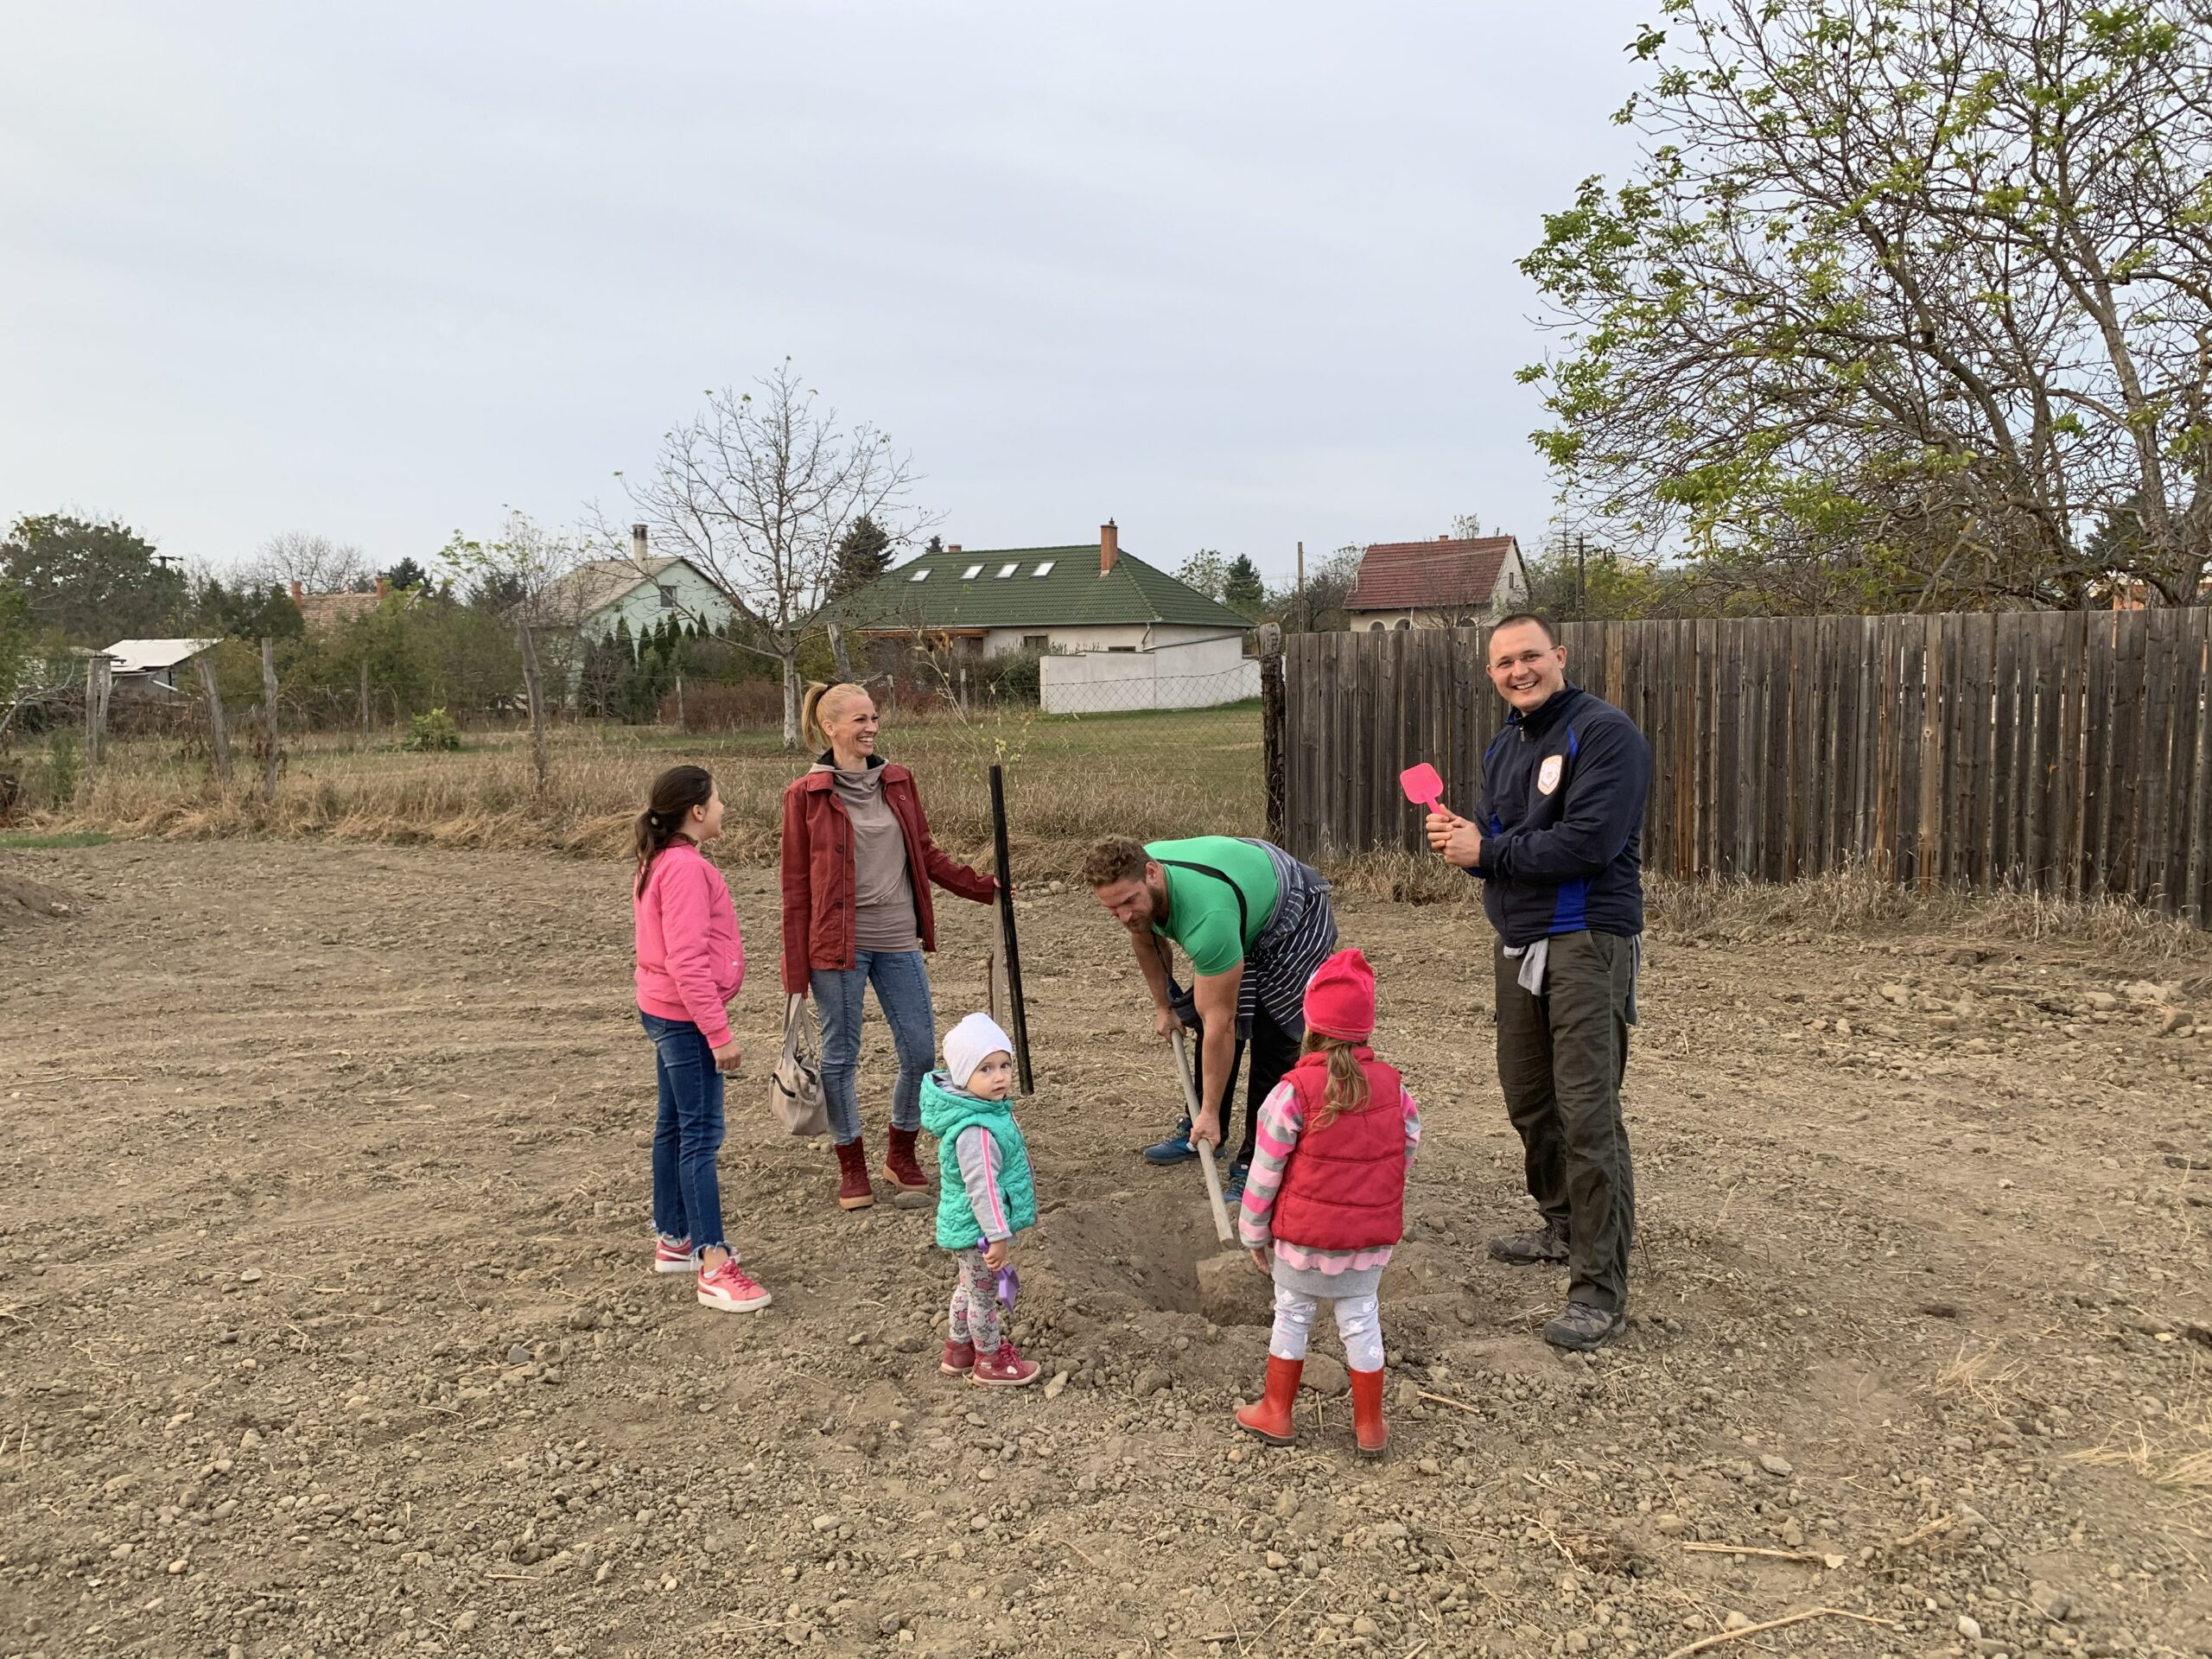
{"x":1275,"y":755}
{"x":269,"y":714}
{"x":96,"y":667}
{"x":365,"y":703}
{"x":530,"y":677}
{"x":222,"y":739}
{"x":680,"y":725}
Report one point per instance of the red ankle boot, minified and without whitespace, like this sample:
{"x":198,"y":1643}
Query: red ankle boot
{"x":1367,"y":1423}
{"x":852,"y":1190}
{"x":899,"y":1167}
{"x":1271,"y":1418}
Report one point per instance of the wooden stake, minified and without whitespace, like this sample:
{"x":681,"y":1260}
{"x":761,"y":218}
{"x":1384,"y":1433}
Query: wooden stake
{"x":1012,"y":951}
{"x":269,"y":714}
{"x":365,"y":703}
{"x":530,"y":675}
{"x":222,"y":739}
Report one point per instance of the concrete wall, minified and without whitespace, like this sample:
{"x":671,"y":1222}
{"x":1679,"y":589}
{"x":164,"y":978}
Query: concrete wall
{"x":697,"y":605}
{"x":1118,"y":637}
{"x":1201,"y":674}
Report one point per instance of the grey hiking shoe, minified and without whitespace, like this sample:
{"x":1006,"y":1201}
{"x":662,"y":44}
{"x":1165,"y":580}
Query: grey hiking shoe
{"x":1583,"y":1327}
{"x":1539,"y":1244}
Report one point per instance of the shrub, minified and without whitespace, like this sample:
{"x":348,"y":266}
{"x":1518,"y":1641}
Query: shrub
{"x":432,"y":732}
{"x":62,"y":754}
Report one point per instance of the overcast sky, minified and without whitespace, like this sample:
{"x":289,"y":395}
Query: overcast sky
{"x":1235,"y":276}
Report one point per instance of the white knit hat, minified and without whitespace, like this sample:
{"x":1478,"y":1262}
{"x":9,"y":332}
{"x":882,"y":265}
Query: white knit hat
{"x":971,"y":1042}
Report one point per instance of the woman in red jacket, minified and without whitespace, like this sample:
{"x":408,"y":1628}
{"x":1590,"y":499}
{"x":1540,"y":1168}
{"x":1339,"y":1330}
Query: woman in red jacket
{"x":858,"y":863}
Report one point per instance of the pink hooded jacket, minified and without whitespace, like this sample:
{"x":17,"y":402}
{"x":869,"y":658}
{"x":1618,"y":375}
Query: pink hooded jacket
{"x":690,"y":960}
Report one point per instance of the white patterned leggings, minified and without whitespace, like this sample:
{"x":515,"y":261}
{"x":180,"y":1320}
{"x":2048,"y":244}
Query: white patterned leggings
{"x":976,"y":1303}
{"x":1359,"y":1322}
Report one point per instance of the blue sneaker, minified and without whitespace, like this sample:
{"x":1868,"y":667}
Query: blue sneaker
{"x":1232,"y":1190}
{"x":1175,"y":1149}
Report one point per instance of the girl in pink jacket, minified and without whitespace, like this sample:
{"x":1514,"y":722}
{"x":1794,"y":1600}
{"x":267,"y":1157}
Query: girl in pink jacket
{"x":691,"y":963}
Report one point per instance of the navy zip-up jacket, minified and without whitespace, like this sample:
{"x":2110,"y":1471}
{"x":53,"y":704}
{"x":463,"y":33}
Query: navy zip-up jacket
{"x":1562,"y":821}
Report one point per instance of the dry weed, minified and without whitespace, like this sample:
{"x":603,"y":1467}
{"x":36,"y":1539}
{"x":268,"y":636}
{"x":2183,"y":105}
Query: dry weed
{"x":2173,"y":1451}
{"x":1979,"y":1378}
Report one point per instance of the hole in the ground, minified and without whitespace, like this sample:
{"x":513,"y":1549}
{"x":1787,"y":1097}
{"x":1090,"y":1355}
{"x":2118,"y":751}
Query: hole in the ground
{"x":1141,"y":1246}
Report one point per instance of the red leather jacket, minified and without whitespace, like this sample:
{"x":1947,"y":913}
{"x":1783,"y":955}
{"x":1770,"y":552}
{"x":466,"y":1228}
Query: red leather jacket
{"x":818,"y":872}
{"x":1345,"y":1188}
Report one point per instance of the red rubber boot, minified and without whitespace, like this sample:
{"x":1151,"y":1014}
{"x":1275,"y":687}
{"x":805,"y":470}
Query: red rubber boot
{"x":1367,"y":1423}
{"x":1271,"y":1417}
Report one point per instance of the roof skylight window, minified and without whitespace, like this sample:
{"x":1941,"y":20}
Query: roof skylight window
{"x":922,"y":575}
{"x":1045,"y":569}
{"x":1008,"y":569}
{"x":971,"y":572}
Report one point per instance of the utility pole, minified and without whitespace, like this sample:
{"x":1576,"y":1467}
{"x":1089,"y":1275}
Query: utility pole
{"x":1581,"y":577}
{"x":1305,"y":621}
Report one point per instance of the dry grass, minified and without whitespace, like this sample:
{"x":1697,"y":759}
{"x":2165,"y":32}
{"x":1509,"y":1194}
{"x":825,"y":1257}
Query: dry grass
{"x":1980,"y":1378}
{"x":1068,"y":781}
{"x":2173,"y":1451}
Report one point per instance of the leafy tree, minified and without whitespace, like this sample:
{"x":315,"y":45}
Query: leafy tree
{"x":1241,"y":589}
{"x":1574,"y":583}
{"x":1318,"y":607}
{"x":93,"y":583}
{"x":1904,"y":296}
{"x":1205,"y":570}
{"x":937,"y":545}
{"x":244,"y":611}
{"x":863,"y":555}
{"x":406,"y":574}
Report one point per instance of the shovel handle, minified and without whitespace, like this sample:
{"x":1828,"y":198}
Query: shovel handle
{"x":1223,"y":1230}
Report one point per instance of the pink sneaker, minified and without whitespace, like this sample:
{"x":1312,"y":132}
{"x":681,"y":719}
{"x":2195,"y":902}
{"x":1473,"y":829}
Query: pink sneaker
{"x":959,"y":1358}
{"x":677,"y":1256}
{"x":731,"y":1290}
{"x":1004,"y":1369}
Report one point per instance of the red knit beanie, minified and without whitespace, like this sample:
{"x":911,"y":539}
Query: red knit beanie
{"x":1341,"y":998}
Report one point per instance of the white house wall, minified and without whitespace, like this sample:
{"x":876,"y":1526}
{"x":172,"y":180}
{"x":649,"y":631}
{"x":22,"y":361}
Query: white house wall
{"x":1198,"y":674}
{"x":1121,"y":637}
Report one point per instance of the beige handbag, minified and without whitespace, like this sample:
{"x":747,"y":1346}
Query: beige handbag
{"x":795,"y":1091}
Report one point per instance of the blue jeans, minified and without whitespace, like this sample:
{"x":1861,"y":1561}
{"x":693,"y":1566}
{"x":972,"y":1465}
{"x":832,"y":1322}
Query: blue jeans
{"x":687,"y":1195}
{"x":902,"y":991}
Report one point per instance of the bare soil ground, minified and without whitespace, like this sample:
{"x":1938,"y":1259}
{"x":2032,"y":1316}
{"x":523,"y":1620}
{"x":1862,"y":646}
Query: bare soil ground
{"x":325,"y":1325}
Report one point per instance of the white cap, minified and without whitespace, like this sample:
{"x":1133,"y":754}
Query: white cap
{"x":971,"y":1042}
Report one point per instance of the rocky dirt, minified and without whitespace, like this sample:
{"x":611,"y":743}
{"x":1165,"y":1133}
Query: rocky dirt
{"x":325,"y":1325}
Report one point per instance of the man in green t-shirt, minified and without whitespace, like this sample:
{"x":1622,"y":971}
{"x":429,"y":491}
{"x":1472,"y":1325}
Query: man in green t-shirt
{"x":1255,"y":924}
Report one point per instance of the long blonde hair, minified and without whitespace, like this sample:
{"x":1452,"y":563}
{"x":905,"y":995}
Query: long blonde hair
{"x":1347,"y":1086}
{"x":810,"y":712}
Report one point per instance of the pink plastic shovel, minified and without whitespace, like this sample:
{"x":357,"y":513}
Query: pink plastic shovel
{"x":1422,"y":786}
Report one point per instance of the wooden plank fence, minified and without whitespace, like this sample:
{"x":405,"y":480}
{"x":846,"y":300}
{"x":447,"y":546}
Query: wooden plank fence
{"x":2067,"y":754}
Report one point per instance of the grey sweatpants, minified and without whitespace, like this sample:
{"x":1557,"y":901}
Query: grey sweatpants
{"x":1560,"y":1059}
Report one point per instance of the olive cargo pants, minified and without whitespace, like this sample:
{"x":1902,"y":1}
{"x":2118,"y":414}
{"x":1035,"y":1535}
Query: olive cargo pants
{"x":1560,"y":1059}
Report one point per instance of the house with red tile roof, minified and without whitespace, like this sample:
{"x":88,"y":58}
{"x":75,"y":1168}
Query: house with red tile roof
{"x":1451,"y":583}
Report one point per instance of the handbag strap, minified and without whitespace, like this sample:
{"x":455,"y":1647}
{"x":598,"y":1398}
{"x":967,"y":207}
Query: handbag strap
{"x":799,"y":1036}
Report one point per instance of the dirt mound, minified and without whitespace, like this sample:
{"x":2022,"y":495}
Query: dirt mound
{"x":20,"y":896}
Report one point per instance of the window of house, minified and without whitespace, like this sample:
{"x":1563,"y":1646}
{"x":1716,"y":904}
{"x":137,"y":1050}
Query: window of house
{"x":1375,"y":627}
{"x":971,"y":572}
{"x":1403,"y":624}
{"x":667,"y":597}
{"x":1036,"y":641}
{"x":1045,"y":569}
{"x":1128,"y":648}
{"x":1008,"y":569}
{"x":922,"y":575}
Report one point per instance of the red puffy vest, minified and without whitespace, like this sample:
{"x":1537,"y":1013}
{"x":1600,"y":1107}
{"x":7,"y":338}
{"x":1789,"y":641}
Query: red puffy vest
{"x":1345,"y":1188}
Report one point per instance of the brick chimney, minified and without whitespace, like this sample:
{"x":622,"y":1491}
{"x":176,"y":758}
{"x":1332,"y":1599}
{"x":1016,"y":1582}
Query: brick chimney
{"x":952,"y":547}
{"x":383,"y":588}
{"x":638,"y":543}
{"x":297,"y":596}
{"x":1109,"y":547}
{"x":1445,"y":537}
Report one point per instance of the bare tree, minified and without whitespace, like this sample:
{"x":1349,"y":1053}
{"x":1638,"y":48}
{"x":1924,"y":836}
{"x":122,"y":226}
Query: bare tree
{"x":758,"y":490}
{"x":1905,"y":298}
{"x":537,"y":568}
{"x":317,"y":564}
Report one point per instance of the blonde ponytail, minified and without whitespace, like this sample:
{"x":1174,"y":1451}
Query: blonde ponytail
{"x":809,"y":710}
{"x":1346,"y":1090}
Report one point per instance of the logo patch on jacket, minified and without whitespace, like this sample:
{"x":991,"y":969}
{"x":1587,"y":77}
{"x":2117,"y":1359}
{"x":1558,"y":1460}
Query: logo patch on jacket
{"x":1548,"y":774}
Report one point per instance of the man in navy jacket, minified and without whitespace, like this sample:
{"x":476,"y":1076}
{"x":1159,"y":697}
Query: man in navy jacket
{"x":1557,"y":842}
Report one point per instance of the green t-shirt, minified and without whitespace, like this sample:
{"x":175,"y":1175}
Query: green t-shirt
{"x":1201,"y":912}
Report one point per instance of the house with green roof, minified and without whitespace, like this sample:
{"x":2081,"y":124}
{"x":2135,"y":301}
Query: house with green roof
{"x":1072,"y":604}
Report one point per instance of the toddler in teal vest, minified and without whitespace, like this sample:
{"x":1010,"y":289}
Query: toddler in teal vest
{"x":984,"y":1196}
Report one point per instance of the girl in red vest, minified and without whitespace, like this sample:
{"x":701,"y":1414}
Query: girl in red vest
{"x":1325,"y":1198}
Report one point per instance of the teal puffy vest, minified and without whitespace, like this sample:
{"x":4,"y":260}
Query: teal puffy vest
{"x":946,"y":1113}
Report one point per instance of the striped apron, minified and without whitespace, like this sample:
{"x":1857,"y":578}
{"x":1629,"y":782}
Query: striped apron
{"x":1298,"y":939}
